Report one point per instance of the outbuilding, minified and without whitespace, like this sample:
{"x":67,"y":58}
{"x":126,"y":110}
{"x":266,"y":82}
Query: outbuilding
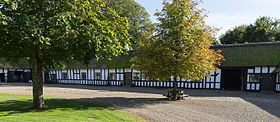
{"x":246,"y":67}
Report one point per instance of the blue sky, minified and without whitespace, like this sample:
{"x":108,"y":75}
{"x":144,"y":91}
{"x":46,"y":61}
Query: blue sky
{"x":226,"y":14}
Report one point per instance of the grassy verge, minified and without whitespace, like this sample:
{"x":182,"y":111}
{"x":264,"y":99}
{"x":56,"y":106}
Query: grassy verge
{"x":17,"y":108}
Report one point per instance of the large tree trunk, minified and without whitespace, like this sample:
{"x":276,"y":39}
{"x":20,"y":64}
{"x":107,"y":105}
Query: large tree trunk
{"x":37,"y":81}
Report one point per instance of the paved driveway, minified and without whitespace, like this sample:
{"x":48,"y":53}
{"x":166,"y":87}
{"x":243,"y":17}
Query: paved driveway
{"x":148,"y":103}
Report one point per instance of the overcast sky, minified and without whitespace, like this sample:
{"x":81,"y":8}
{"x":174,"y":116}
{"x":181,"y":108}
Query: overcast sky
{"x":226,"y":14}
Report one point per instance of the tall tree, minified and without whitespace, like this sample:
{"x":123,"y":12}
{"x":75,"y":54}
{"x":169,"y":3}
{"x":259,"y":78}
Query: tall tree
{"x":51,"y":33}
{"x":265,"y":29}
{"x":137,"y":16}
{"x":180,"y":46}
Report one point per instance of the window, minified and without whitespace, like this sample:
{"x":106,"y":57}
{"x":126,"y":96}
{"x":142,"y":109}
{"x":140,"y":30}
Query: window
{"x":53,"y":77}
{"x":64,"y":75}
{"x":97,"y":76}
{"x":112,"y":76}
{"x":136,"y":76}
{"x":84,"y":75}
{"x":254,"y":77}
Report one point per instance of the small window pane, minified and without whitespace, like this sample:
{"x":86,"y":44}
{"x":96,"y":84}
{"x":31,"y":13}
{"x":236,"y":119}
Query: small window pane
{"x":136,"y":76}
{"x":254,"y":77}
{"x":112,"y":76}
{"x":97,"y":76}
{"x":64,"y":75}
{"x":84,"y":75}
{"x":53,"y":77}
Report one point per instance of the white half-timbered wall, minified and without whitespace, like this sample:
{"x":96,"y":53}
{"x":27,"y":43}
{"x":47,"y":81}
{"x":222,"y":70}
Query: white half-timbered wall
{"x":212,"y":82}
{"x":256,"y":86}
{"x":74,"y":76}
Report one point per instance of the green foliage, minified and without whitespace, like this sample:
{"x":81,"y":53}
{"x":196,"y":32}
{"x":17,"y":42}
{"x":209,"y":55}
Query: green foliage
{"x":180,"y":45}
{"x":14,"y":108}
{"x":51,"y":33}
{"x":265,"y":29}
{"x":60,"y":31}
{"x":137,"y":17}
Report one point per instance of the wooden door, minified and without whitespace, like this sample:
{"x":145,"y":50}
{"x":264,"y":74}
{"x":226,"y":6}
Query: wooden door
{"x":268,"y":82}
{"x":127,"y":78}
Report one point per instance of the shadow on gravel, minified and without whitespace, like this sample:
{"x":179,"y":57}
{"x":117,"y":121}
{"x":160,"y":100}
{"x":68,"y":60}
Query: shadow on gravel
{"x":268,"y":101}
{"x":122,"y":102}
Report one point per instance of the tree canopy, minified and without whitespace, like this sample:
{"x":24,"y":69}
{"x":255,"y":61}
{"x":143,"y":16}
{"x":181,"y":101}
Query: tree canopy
{"x":265,"y":29}
{"x":137,"y":17}
{"x":50,"y":33}
{"x":180,"y":46}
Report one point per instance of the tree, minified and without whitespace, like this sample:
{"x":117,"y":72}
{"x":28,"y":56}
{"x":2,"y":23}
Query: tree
{"x":180,"y":46}
{"x":51,"y":33}
{"x":137,"y":17}
{"x":265,"y":29}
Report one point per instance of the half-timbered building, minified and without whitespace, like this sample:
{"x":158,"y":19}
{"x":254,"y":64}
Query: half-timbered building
{"x":247,"y":67}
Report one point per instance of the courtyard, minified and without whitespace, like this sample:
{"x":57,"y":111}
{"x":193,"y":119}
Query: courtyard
{"x":150,"y":105}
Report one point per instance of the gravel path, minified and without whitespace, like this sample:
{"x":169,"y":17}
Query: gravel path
{"x":148,"y":103}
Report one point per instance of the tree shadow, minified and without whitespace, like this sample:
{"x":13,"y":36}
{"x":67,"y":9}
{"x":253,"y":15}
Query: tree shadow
{"x":123,"y":102}
{"x":10,"y":107}
{"x":267,"y":101}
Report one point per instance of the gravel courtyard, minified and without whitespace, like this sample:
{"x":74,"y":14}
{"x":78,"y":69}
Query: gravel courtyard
{"x":149,"y":104}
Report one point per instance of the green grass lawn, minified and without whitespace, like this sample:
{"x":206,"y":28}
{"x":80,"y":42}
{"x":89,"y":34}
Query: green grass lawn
{"x":18,"y":108}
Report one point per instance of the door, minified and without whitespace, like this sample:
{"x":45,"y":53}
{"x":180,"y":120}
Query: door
{"x":26,"y":76}
{"x":11,"y":76}
{"x":268,"y":82}
{"x":231,"y":79}
{"x":127,"y":78}
{"x":2,"y":77}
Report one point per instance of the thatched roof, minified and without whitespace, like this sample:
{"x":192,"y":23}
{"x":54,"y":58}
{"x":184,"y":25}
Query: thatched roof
{"x":236,"y":55}
{"x":251,"y":54}
{"x":122,"y":61}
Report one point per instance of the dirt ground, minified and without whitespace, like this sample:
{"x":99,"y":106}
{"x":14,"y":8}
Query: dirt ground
{"x":149,"y":104}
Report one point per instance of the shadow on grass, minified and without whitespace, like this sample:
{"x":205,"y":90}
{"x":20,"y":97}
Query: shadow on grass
{"x":10,"y":107}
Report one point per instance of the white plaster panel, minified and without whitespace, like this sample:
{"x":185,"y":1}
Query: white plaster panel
{"x":271,"y":69}
{"x":217,"y":85}
{"x":257,"y":69}
{"x":257,"y":86}
{"x":250,"y":70}
{"x":27,"y":70}
{"x":207,"y":85}
{"x":253,"y":86}
{"x":208,"y":79}
{"x":212,"y":85}
{"x":277,"y":87}
{"x":265,"y":70}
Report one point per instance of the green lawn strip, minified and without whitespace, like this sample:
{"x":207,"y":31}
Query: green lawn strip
{"x":14,"y":108}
